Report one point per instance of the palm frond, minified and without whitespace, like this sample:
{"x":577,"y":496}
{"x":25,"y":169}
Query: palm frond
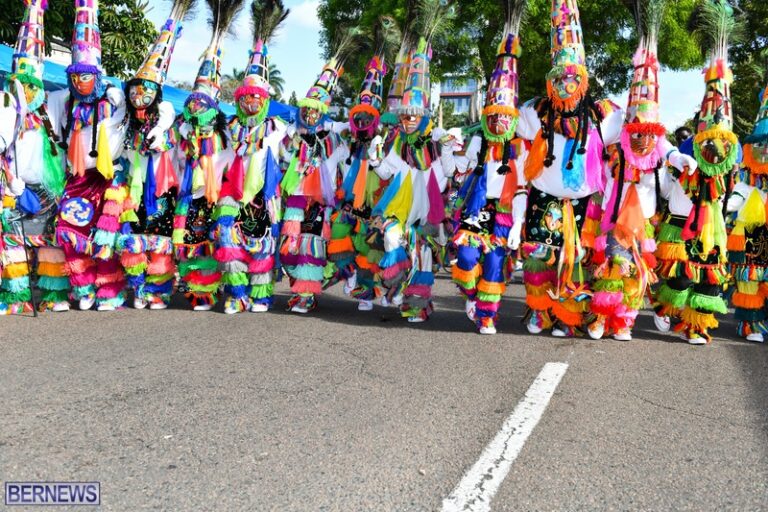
{"x":266,"y":18}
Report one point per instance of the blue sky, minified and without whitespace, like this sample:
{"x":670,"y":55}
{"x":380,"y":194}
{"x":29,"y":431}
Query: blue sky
{"x":295,"y":50}
{"x":297,"y":54}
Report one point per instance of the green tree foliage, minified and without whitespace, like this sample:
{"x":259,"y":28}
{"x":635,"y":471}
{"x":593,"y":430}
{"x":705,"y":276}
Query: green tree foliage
{"x":126,"y":33}
{"x":750,"y":57}
{"x":469,"y":48}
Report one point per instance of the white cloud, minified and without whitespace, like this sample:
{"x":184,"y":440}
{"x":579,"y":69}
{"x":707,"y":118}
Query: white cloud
{"x":305,"y":15}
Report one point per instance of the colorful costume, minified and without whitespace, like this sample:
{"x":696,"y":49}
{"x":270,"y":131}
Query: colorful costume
{"x":568,"y":131}
{"x":89,"y":119}
{"x":692,"y":240}
{"x":355,"y":248}
{"x":249,"y":210}
{"x":622,"y":280}
{"x":310,"y":185}
{"x":36,"y":181}
{"x":146,"y":251}
{"x":205,"y":153}
{"x":493,"y":198}
{"x":418,"y":160}
{"x":748,"y":241}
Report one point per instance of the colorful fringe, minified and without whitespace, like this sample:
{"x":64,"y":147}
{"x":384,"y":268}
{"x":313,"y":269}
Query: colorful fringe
{"x":417,"y":297}
{"x":149,"y":266}
{"x":200,"y":271}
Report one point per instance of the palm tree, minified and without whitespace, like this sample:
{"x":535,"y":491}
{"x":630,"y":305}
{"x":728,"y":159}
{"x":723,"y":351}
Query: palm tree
{"x":276,"y":81}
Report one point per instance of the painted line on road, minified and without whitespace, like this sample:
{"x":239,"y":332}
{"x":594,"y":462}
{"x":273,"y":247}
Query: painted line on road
{"x":476,"y":490}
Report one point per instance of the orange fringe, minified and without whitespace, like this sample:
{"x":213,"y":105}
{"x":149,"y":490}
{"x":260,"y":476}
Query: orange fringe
{"x":466,"y":276}
{"x":539,"y":302}
{"x":52,"y":269}
{"x":671,"y":251}
{"x":562,"y":310}
{"x":491,"y":288}
{"x":746,"y":301}
{"x":340,"y":245}
{"x":736,"y":242}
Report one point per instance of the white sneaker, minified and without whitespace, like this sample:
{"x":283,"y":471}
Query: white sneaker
{"x":351,"y":284}
{"x":415,"y":319}
{"x":623,"y":335}
{"x":231,"y":309}
{"x":697,"y":341}
{"x":532,"y":327}
{"x":596,"y":329}
{"x":105,"y":307}
{"x":365,"y":305}
{"x":470,"y":307}
{"x":396,"y":301}
{"x":559,"y":333}
{"x":139,"y":303}
{"x":158,"y":305}
{"x":755,"y":336}
{"x":59,"y":307}
{"x":488,"y":329}
{"x":86,"y":303}
{"x":259,"y":308}
{"x":202,"y":307}
{"x":299,"y":309}
{"x":662,"y":323}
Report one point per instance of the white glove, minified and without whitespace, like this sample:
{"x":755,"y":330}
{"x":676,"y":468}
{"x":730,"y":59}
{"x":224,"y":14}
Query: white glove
{"x":17,"y":187}
{"x":184,"y":129}
{"x":167,"y":115}
{"x":373,"y":151}
{"x":680,"y":161}
{"x":513,"y":241}
{"x":156,"y":136}
{"x":115,"y":96}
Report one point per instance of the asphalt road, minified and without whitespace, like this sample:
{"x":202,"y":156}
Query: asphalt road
{"x":349,"y":411}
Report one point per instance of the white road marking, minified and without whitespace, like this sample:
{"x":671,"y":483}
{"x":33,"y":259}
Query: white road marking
{"x":476,"y":490}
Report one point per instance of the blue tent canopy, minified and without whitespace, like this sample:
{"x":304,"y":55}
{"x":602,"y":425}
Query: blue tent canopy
{"x":55,"y":77}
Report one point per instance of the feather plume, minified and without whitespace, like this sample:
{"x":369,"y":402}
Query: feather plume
{"x":223,"y":13}
{"x":714,"y":23}
{"x":266,"y":18}
{"x":183,"y":9}
{"x":346,"y":39}
{"x":434,"y":16}
{"x":648,"y":16}
{"x":513,"y":15}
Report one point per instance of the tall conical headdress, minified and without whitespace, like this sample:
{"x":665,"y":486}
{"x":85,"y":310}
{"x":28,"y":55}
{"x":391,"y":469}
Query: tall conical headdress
{"x":503,"y":86}
{"x":86,"y":39}
{"x":402,"y":61}
{"x":416,"y":96}
{"x":27,"y":64}
{"x":155,"y":66}
{"x":320,"y":94}
{"x":266,"y":17}
{"x":715,"y":117}
{"x":642,"y":114}
{"x":208,"y":79}
{"x":567,"y":50}
{"x":370,"y":99}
